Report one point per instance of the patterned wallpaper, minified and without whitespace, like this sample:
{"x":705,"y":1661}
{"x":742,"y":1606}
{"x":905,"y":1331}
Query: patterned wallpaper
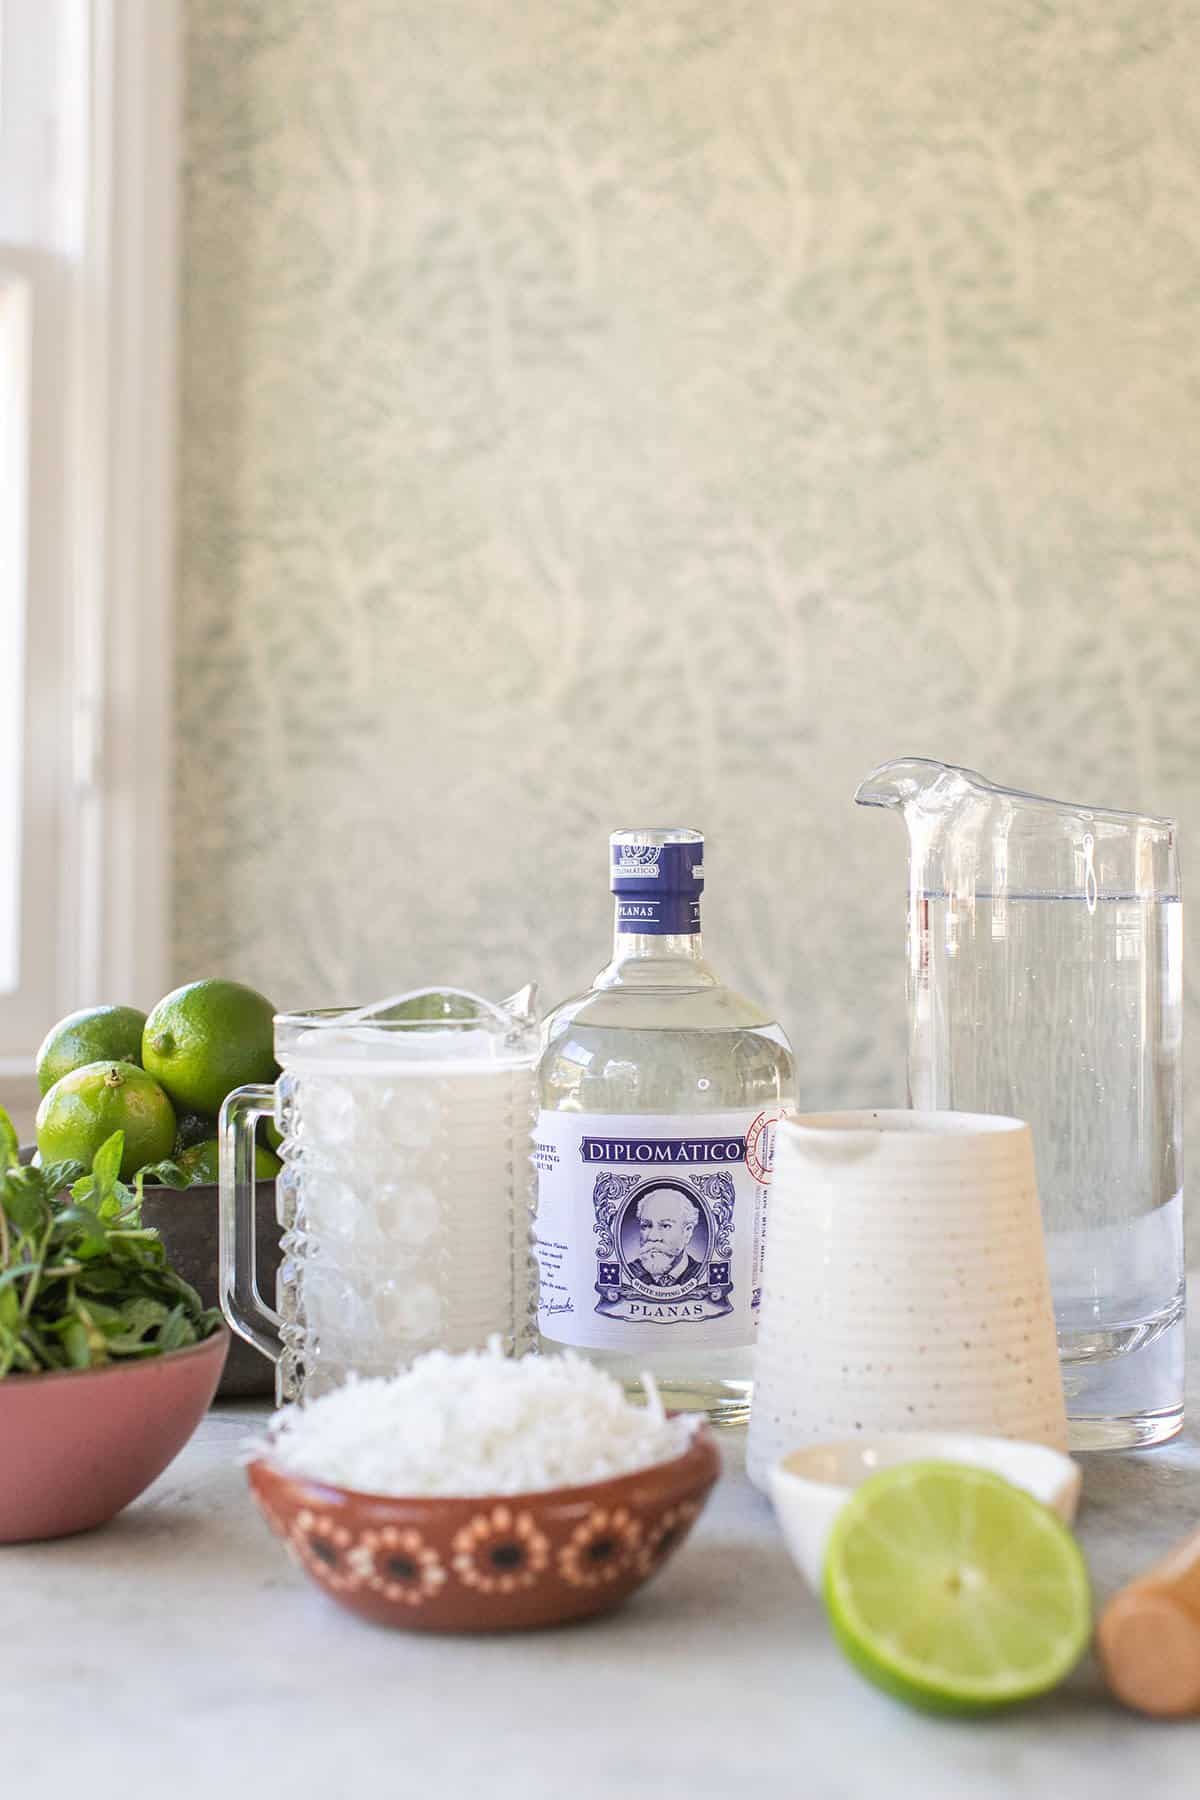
{"x":599,"y":412}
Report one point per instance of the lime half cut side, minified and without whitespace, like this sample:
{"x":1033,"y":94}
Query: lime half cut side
{"x":954,"y":1590}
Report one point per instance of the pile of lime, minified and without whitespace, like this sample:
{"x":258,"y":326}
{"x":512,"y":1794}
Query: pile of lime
{"x":159,"y":1078}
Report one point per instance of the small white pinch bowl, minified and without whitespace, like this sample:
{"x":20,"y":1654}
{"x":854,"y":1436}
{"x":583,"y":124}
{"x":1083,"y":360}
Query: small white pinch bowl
{"x":809,"y":1487}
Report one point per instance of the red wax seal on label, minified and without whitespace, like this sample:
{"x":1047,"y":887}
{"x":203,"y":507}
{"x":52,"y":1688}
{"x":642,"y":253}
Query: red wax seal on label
{"x":760,"y":1145}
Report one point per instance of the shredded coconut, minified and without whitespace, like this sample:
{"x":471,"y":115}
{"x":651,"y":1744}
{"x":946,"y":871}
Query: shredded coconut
{"x":479,"y":1423}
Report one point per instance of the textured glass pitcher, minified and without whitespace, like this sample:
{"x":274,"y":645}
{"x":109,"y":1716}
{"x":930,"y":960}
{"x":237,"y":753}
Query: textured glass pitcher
{"x":406,"y":1193}
{"x":1045,"y":947}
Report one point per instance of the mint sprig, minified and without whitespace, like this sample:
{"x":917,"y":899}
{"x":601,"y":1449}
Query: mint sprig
{"x":82,"y":1281}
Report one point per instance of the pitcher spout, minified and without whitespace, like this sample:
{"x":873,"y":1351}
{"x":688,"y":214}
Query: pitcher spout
{"x":523,"y":1005}
{"x":909,"y":778}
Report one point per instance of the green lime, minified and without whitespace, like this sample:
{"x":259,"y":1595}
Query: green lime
{"x":88,"y":1105}
{"x":95,"y":1034}
{"x":208,"y":1038}
{"x":202,"y":1163}
{"x":954,"y":1590}
{"x":192,"y":1128}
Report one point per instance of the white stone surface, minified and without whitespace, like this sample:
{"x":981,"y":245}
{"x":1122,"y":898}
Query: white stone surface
{"x":180,"y":1653}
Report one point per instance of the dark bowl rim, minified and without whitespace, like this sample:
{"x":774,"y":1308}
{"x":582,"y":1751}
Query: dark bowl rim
{"x":703,"y":1450}
{"x":25,"y":1151}
{"x":197,"y":1189}
{"x":105,"y":1370}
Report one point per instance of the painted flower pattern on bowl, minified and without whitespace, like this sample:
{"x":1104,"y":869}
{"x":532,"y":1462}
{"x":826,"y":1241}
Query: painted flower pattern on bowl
{"x":324,"y":1547}
{"x":601,"y":1549}
{"x":400,"y":1565}
{"x":667,"y":1533}
{"x":500,"y":1551}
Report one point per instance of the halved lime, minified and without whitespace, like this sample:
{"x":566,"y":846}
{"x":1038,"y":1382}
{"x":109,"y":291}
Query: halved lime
{"x":954,"y":1590}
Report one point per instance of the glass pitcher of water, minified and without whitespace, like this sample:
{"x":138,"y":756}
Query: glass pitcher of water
{"x":406,"y":1193}
{"x":1045,"y":947}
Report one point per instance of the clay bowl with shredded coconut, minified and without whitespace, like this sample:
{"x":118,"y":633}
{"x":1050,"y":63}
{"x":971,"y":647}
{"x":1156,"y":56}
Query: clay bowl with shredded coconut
{"x":479,"y":1493}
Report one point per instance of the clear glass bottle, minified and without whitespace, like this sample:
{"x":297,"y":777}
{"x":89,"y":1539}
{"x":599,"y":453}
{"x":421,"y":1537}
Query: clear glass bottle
{"x":659,"y":1094}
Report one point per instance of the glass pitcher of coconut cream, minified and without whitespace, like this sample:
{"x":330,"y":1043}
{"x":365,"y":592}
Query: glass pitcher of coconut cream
{"x":406,"y":1193}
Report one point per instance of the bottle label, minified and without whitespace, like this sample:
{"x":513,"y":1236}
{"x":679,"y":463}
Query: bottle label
{"x":650,"y":1227}
{"x":658,"y":887}
{"x":665,"y":914}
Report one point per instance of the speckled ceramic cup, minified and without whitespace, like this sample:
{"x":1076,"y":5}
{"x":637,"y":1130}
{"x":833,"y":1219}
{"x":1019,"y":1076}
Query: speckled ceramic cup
{"x":905,"y":1286}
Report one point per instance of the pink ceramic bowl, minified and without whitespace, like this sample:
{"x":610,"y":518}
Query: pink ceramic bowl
{"x":78,"y":1445}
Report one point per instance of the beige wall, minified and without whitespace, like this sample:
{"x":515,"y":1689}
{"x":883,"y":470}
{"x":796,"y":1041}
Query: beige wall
{"x":661,"y":412}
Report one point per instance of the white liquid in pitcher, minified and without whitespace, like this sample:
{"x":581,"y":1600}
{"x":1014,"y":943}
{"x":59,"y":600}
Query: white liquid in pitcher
{"x":405,"y":1195}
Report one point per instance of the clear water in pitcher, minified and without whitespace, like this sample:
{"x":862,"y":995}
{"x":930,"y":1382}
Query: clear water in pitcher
{"x":1068,"y":1014}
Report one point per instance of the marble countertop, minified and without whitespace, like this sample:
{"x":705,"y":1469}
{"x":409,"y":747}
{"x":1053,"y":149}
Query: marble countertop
{"x":179,"y":1652}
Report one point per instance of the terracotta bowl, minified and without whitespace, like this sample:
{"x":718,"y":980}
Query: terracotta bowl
{"x":491,"y":1564}
{"x":79,"y":1444}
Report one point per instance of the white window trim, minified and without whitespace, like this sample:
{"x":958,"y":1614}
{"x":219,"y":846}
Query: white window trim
{"x":124,"y":575}
{"x":16,"y":360}
{"x":107,"y":730}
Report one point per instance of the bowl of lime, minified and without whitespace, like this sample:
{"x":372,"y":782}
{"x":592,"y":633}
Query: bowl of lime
{"x":160,"y":1079}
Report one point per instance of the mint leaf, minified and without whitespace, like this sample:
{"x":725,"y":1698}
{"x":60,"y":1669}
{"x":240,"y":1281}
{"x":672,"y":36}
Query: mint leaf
{"x":59,"y":1176}
{"x":26,"y":1204}
{"x":167,"y":1174}
{"x":137,"y":1317}
{"x":176,"y":1331}
{"x":80,"y":1226}
{"x":75,"y":1343}
{"x":10,"y":1146}
{"x":106,"y":1164}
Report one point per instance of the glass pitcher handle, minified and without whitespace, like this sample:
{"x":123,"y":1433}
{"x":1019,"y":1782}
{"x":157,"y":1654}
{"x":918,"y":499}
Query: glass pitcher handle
{"x":241,"y":1301}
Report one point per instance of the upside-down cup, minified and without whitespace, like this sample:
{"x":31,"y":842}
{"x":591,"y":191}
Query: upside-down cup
{"x":906,"y":1286}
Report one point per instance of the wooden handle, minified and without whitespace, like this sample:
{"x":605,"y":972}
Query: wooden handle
{"x":1149,"y":1636}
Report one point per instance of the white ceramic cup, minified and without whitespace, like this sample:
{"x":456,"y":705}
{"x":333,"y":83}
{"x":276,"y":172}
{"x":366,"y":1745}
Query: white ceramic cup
{"x":810,"y":1487}
{"x":905,"y":1286}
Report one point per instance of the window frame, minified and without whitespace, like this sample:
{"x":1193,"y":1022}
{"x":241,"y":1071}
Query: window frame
{"x":16,"y":426}
{"x":99,"y":619}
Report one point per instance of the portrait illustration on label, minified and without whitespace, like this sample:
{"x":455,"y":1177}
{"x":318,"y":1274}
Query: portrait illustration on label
{"x":663,"y":1246}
